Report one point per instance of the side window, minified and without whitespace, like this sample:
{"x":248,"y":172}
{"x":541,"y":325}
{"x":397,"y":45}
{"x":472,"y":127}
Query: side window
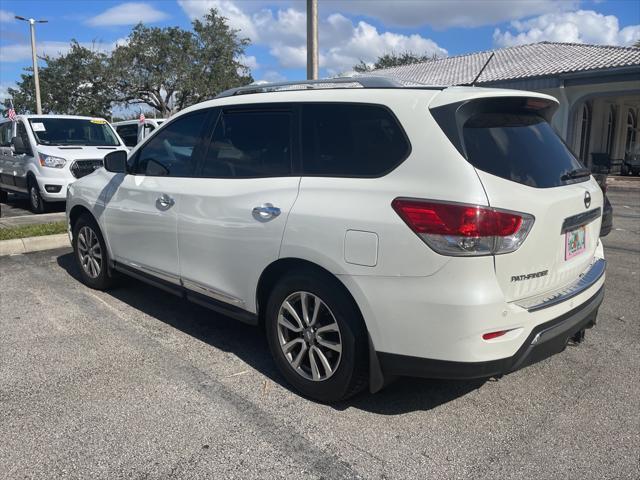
{"x":129,"y":134}
{"x":172,"y":152}
{"x":248,"y":144}
{"x":21,"y":132}
{"x":5,"y":134}
{"x":351,"y":140}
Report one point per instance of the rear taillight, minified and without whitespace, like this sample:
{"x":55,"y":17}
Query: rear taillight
{"x":464,"y":230}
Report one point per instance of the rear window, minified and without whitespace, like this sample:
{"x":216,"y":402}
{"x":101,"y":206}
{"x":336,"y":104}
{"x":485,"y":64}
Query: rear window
{"x":351,"y":140}
{"x":521,"y":147}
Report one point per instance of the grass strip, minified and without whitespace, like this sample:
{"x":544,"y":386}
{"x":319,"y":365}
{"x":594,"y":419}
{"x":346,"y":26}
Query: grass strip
{"x":25,"y":231}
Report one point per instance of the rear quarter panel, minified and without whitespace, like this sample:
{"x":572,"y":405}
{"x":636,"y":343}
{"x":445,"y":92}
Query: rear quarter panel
{"x":327,"y":206}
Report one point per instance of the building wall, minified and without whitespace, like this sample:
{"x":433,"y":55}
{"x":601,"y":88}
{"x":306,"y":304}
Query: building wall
{"x":601,"y":96}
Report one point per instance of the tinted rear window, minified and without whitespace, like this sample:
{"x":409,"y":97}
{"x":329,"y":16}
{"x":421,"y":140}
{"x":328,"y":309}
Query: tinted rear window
{"x":521,"y":147}
{"x":351,"y":140}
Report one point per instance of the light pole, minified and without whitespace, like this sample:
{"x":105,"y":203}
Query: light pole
{"x":36,"y":81}
{"x":312,"y":39}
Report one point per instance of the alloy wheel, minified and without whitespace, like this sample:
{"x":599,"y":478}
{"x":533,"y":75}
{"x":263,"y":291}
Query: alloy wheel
{"x":89,"y":252}
{"x":309,"y":336}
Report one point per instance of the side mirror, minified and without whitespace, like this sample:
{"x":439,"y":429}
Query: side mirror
{"x":116,"y":162}
{"x":18,"y":146}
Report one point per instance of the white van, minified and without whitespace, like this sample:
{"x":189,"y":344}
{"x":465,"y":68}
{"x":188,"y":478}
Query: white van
{"x":133,"y":131}
{"x":42,"y":154}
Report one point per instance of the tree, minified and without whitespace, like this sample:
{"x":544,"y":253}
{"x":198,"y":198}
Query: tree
{"x":393,"y":59}
{"x":76,"y":83}
{"x":170,"y":68}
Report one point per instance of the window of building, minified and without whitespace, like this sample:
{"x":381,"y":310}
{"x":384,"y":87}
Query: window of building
{"x":585,"y":133}
{"x":250,"y":144}
{"x":632,"y":130}
{"x":611,"y":130}
{"x":351,"y":140}
{"x":172,"y":152}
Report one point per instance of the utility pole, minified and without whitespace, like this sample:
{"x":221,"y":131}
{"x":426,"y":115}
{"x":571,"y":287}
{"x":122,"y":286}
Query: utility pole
{"x":36,"y":80}
{"x":312,"y":39}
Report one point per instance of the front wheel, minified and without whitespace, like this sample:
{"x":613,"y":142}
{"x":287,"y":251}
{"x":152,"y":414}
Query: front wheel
{"x":36,"y":202}
{"x":317,"y":337}
{"x":91,"y":254}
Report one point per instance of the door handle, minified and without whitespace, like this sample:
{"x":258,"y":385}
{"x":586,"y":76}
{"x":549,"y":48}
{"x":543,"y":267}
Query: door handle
{"x":265,"y":211}
{"x":165,"y":202}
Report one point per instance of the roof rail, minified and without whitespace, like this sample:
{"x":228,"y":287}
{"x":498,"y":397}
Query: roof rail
{"x":369,"y":81}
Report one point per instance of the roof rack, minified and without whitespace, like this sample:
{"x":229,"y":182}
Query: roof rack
{"x":369,"y":81}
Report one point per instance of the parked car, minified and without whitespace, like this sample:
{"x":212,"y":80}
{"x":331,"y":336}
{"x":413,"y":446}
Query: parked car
{"x":371,"y":232}
{"x":607,"y":209}
{"x":42,"y":154}
{"x":631,"y":163}
{"x":133,"y":131}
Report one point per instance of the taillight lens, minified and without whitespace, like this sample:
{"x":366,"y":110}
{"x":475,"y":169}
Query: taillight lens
{"x":464,"y":230}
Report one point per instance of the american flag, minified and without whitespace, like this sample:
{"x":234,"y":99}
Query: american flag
{"x":11,"y":113}
{"x":141,"y":118}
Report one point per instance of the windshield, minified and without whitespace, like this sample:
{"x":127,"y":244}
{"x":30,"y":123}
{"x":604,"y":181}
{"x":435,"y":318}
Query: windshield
{"x":521,"y":147}
{"x":73,"y":131}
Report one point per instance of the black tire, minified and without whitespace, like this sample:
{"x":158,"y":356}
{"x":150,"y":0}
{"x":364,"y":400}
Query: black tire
{"x":351,"y":371}
{"x":36,"y":202}
{"x":84,"y":244}
{"x":4,"y":196}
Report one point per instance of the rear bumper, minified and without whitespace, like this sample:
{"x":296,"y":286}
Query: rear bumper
{"x":545,"y":340}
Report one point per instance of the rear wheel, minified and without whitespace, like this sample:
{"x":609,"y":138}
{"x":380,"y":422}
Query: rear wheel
{"x":36,"y":202}
{"x":91,"y":253}
{"x":317,"y":336}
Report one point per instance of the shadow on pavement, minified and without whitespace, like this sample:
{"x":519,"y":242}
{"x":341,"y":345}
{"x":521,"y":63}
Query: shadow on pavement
{"x":18,"y":204}
{"x":248,"y":343}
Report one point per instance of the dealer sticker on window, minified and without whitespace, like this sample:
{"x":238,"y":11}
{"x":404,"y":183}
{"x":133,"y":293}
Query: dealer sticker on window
{"x":38,"y":127}
{"x":575,"y":242}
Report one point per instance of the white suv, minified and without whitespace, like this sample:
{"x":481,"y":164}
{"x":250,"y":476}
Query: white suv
{"x":372,"y":231}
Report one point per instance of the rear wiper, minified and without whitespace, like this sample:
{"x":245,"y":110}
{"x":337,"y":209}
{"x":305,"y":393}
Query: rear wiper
{"x":576,"y":173}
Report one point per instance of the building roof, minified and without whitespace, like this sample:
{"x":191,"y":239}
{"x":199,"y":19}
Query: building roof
{"x":535,"y":60}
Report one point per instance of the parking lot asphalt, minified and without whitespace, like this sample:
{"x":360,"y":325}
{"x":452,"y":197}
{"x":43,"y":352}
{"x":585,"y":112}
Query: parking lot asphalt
{"x":135,"y":383}
{"x":18,"y":205}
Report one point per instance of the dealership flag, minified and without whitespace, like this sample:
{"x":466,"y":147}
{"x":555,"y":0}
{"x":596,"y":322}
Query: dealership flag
{"x":141,"y":119}
{"x":11,"y":113}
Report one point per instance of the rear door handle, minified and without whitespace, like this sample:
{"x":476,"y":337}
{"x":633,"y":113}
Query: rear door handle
{"x":265,"y":211}
{"x":165,"y":202}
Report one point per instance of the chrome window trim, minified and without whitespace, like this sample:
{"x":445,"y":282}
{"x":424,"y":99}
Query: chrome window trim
{"x":587,"y":279}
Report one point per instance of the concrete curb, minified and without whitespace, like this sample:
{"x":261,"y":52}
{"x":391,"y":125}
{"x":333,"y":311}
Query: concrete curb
{"x":17,"y":246}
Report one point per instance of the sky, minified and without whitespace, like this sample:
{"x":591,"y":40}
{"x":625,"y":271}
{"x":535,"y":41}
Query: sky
{"x":350,"y":30}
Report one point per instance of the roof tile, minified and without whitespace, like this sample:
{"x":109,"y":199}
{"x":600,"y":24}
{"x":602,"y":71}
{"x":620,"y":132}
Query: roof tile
{"x":524,"y":61}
